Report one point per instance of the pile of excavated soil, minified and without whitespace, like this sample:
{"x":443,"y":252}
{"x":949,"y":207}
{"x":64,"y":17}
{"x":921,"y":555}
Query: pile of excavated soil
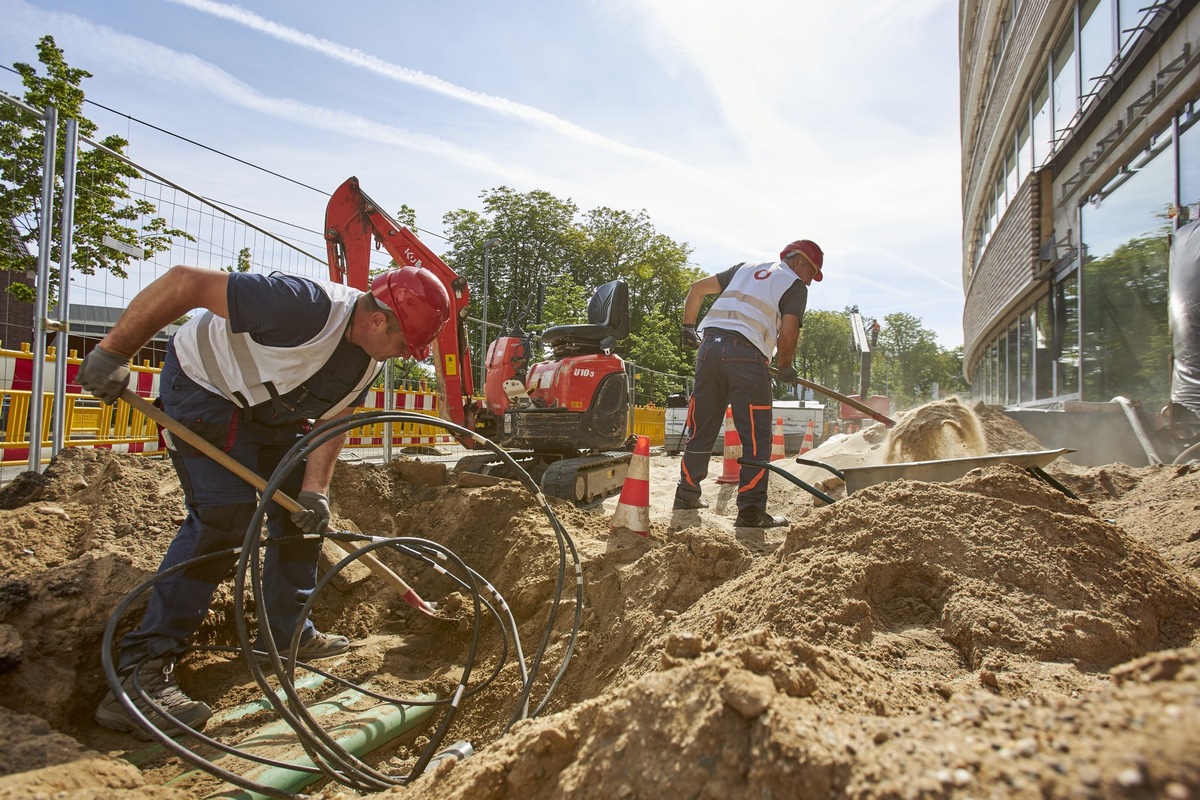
{"x":989,"y":636}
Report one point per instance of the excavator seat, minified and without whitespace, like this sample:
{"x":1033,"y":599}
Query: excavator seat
{"x":608,"y":322}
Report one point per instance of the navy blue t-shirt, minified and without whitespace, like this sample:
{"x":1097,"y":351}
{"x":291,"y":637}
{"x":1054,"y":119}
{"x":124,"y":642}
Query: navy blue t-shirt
{"x":280,"y":310}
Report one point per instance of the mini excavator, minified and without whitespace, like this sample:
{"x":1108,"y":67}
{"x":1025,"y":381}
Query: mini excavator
{"x":565,"y":420}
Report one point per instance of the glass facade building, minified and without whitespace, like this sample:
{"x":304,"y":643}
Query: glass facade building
{"x":1080,"y":157}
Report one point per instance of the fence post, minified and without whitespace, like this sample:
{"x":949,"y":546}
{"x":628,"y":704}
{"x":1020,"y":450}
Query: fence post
{"x":49,"y":141}
{"x":70,"y":152}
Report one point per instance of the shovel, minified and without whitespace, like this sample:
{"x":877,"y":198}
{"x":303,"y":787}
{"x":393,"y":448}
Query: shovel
{"x":254,"y":479}
{"x":888,"y":422}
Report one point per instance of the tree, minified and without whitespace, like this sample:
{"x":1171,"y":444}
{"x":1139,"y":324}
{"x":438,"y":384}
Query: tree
{"x":656,"y":356}
{"x":243,"y":262}
{"x":538,"y":243}
{"x":103,"y":205}
{"x":825,"y":353}
{"x":913,"y":361}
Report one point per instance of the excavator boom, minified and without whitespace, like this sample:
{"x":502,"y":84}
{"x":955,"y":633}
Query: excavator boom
{"x":353,"y":223}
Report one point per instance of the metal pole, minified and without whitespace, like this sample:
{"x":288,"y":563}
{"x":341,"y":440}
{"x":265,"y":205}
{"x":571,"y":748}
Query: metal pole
{"x":50,"y":115}
{"x":483,"y":336}
{"x":70,"y":152}
{"x":389,"y":404}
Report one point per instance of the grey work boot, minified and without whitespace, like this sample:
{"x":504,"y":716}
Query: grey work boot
{"x":156,"y":678}
{"x":322,"y":645}
{"x":319,"y":645}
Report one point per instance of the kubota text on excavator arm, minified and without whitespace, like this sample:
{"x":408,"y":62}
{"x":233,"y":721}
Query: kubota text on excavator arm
{"x":352,"y":220}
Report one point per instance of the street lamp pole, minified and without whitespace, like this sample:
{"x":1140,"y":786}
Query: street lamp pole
{"x":487,"y":246}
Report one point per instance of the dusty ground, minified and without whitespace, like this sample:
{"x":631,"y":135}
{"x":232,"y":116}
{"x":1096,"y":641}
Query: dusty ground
{"x":985,"y":637}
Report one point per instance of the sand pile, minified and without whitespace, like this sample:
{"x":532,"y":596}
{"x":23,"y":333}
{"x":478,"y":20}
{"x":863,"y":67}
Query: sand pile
{"x":990,"y":636}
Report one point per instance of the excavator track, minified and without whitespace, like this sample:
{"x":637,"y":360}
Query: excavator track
{"x":586,"y":478}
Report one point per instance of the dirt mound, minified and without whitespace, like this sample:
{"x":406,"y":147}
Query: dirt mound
{"x":990,"y":635}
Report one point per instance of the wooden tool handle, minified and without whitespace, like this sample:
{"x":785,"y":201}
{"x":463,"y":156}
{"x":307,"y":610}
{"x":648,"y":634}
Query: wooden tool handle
{"x":178,"y":429}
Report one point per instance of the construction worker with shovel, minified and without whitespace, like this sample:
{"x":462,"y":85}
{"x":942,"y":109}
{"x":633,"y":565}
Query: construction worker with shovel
{"x":268,"y":355}
{"x":759,"y":312}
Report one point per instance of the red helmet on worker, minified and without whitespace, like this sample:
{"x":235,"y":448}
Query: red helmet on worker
{"x":811,"y":252}
{"x":420,"y":302}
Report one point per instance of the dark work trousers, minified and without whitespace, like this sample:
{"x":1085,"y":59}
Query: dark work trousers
{"x":729,"y":372}
{"x":219,"y":509}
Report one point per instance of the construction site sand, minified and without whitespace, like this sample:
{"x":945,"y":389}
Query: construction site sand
{"x":985,"y":637}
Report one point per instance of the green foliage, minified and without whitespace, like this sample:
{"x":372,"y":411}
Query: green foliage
{"x":825,"y":353}
{"x":103,"y":205}
{"x":243,"y":262}
{"x":1127,"y":341}
{"x":541,"y":243}
{"x":656,"y":355}
{"x":913,"y":363}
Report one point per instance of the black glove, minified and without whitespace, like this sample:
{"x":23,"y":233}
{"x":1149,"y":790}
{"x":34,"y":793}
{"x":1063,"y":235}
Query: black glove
{"x":689,"y":338}
{"x":314,"y":517}
{"x":786,"y":374}
{"x":104,"y":373}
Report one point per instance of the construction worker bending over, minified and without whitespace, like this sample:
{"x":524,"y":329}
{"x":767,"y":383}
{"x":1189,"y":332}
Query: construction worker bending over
{"x":267,"y":356}
{"x":759,"y":311}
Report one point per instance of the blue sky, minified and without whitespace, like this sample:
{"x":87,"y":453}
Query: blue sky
{"x":736,"y":126}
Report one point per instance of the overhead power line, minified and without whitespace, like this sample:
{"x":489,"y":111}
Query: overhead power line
{"x":230,"y":156}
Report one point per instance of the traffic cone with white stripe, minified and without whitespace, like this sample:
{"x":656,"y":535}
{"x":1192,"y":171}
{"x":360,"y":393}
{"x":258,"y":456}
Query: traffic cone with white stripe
{"x":633,"y":507}
{"x":733,"y":451}
{"x":807,"y":444}
{"x":777,"y":440}
{"x":836,"y":428}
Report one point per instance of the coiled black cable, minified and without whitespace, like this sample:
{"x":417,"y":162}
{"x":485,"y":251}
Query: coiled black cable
{"x":331,"y":759}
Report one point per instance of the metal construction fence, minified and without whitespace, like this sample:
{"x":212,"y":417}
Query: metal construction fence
{"x":78,"y":298}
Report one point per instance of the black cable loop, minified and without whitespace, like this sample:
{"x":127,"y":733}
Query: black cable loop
{"x":332,"y":760}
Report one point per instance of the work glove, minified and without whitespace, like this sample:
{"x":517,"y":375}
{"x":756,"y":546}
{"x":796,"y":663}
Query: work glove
{"x":786,"y":374}
{"x":104,"y":374}
{"x":689,"y":338}
{"x":314,"y":517}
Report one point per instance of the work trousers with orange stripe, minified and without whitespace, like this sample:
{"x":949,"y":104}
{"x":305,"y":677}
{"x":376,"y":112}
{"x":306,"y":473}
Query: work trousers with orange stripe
{"x":729,"y":372}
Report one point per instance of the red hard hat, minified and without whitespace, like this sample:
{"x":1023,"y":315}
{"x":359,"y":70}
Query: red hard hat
{"x":419,"y":300}
{"x":809,"y":250}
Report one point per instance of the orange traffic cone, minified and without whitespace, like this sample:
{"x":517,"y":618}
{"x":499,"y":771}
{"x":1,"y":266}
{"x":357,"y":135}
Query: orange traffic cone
{"x":807,"y":444}
{"x":777,"y":440}
{"x":836,"y":429}
{"x":633,"y":507}
{"x":733,"y":450}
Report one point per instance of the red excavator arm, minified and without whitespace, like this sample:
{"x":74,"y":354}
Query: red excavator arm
{"x":352,"y":220}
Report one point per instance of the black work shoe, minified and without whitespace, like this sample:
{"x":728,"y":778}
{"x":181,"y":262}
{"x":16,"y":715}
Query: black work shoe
{"x":755,"y":517}
{"x":685,"y":504}
{"x":156,"y":678}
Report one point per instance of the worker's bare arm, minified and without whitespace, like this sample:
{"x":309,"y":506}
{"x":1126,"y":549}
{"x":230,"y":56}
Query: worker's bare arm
{"x":165,"y":300}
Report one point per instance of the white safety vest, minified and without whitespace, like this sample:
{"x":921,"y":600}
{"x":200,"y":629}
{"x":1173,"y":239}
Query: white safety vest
{"x":750,"y":304}
{"x":238,"y":368}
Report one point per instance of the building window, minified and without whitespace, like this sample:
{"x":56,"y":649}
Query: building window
{"x":1189,"y":163}
{"x":1012,"y":366}
{"x":1065,"y":82}
{"x":1043,"y":359}
{"x":1025,"y":327}
{"x":1129,"y":19}
{"x":1097,"y":44}
{"x":1043,"y":136}
{"x":1065,"y":300}
{"x":1025,"y":162}
{"x":1124,"y":229}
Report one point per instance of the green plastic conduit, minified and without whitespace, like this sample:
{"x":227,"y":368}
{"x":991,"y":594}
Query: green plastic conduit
{"x":369,"y":730}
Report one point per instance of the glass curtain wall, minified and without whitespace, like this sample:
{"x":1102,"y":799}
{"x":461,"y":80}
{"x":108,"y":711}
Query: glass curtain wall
{"x":1124,"y":231}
